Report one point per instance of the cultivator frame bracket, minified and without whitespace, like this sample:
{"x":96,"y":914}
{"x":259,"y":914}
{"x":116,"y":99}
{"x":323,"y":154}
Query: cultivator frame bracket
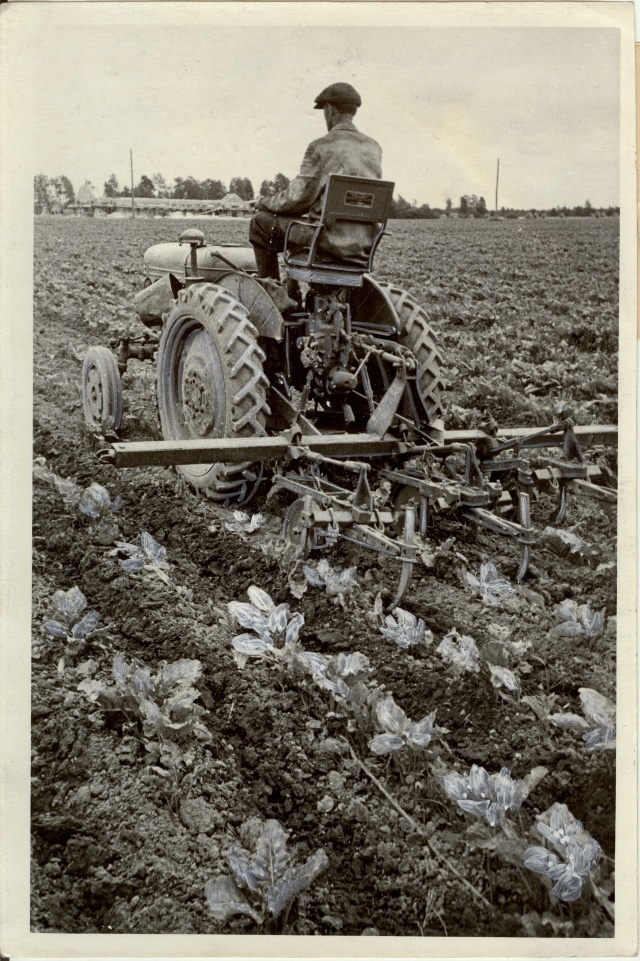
{"x":393,"y":517}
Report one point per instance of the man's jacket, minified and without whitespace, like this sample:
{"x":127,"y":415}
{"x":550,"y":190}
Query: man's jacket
{"x":344,"y":150}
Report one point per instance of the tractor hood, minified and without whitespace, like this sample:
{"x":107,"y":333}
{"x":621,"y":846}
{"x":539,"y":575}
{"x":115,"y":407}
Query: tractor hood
{"x":162,"y":259}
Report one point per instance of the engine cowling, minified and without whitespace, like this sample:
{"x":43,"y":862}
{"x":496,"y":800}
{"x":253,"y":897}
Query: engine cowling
{"x":163,"y":259}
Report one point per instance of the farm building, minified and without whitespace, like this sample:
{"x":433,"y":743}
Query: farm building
{"x":88,"y":205}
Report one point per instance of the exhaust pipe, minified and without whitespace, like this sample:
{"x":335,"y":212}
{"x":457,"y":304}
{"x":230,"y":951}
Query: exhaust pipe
{"x":155,"y":300}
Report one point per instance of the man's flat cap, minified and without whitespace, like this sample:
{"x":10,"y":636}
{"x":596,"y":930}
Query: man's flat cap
{"x":338,"y":93}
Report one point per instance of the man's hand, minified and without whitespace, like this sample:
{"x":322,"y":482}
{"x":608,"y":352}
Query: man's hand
{"x":255,"y":203}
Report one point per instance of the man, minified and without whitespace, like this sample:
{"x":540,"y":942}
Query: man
{"x":344,"y":150}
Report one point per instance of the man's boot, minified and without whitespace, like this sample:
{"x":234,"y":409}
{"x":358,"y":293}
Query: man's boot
{"x":267,"y":262}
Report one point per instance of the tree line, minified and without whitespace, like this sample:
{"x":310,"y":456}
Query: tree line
{"x":188,"y":188}
{"x":55,"y":193}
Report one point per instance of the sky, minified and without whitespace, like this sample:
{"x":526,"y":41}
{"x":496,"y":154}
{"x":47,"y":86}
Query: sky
{"x":213,"y":99}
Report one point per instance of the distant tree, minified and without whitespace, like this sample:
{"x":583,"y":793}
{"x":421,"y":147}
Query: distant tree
{"x":111,"y":186}
{"x":187,"y":189}
{"x":464,"y":205}
{"x":64,"y":190}
{"x":145,"y":188}
{"x":40,"y":194}
{"x":280,"y":182}
{"x":481,"y":207}
{"x":125,"y":192}
{"x":242,"y":187}
{"x":212,"y":189}
{"x":160,"y":186}
{"x":400,"y":207}
{"x":178,"y":191}
{"x":449,"y":205}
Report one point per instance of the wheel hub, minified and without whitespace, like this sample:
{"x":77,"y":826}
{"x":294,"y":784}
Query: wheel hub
{"x":197,"y":404}
{"x":197,"y":388}
{"x":94,"y":393}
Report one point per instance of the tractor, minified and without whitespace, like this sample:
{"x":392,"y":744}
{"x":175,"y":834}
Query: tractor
{"x":329,"y":386}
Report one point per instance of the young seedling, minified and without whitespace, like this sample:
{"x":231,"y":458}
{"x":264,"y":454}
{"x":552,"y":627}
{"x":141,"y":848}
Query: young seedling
{"x":405,"y":629}
{"x":399,"y":731}
{"x":266,"y":883}
{"x":329,"y":673}
{"x":578,"y":620}
{"x":273,"y":629}
{"x":580,"y":854}
{"x":337,"y":582}
{"x":460,"y":651}
{"x":245,"y":523}
{"x":598,"y":724}
{"x":72,"y":625}
{"x":489,"y":796}
{"x":491,"y":587}
{"x":147,"y":557}
{"x":96,"y":502}
{"x":161,"y":707}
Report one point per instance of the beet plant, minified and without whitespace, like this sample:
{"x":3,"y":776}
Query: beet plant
{"x":578,"y":858}
{"x":265,"y":883}
{"x":598,"y":726}
{"x":71,"y":624}
{"x":148,"y":557}
{"x":159,"y":707}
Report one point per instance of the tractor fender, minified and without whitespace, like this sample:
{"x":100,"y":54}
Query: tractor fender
{"x":262,"y":310}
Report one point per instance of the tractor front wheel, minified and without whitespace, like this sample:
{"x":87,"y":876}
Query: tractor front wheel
{"x":211,"y":384}
{"x":101,"y":390}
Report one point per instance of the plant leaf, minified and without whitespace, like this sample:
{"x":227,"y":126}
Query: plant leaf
{"x":225,"y":900}
{"x":250,"y":645}
{"x":240,"y":864}
{"x":391,"y":716}
{"x":260,"y":599}
{"x":385,"y":744}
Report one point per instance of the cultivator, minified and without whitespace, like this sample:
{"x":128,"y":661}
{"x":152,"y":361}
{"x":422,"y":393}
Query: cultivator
{"x":384,"y":500}
{"x":334,"y":394}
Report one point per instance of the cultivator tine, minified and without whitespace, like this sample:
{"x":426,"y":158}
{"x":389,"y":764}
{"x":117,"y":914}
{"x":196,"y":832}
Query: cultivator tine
{"x":524,"y":514}
{"x":409,"y":560}
{"x":561,"y":516}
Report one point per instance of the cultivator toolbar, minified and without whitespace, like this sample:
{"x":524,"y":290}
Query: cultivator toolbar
{"x":381,"y":492}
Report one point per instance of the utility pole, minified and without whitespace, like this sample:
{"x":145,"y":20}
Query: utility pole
{"x":133,"y":206}
{"x":497,"y":179}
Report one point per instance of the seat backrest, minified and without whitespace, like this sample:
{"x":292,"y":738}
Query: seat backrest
{"x":359,"y":199}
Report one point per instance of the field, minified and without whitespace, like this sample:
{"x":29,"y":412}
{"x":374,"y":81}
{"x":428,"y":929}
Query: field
{"x":125,"y":836}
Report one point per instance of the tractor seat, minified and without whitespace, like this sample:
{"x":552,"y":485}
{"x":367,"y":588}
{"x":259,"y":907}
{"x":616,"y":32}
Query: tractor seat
{"x":356,"y":200}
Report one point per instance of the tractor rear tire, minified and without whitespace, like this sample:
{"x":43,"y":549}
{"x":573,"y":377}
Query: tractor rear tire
{"x":101,"y":390}
{"x":416,"y":333}
{"x":211,"y":384}
{"x":384,"y":303}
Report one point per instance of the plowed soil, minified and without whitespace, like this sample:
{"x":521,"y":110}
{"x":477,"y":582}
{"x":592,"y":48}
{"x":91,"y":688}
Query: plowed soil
{"x":526,"y":313}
